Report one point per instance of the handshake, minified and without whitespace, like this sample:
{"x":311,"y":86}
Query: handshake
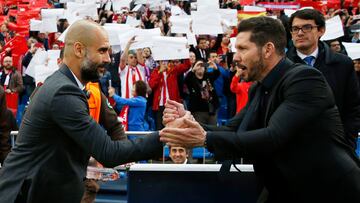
{"x":181,"y":129}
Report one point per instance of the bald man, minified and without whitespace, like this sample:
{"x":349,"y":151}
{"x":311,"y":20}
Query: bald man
{"x":57,"y":135}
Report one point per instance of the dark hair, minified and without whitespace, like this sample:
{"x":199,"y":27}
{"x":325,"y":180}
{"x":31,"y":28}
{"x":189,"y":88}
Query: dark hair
{"x":141,"y":88}
{"x":309,"y":14}
{"x":264,"y":30}
{"x":201,"y":38}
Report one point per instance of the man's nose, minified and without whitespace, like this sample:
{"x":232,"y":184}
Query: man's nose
{"x":106,"y":58}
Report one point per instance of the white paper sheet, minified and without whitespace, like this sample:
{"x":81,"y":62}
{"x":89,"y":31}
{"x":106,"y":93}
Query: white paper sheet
{"x":57,"y":13}
{"x":205,"y":5}
{"x":230,"y":15}
{"x":35,"y":25}
{"x":133,"y":22}
{"x":42,"y":72}
{"x":289,"y":12}
{"x":191,"y":39}
{"x":232,"y":42}
{"x":119,"y":4}
{"x":334,"y":29}
{"x":206,"y":23}
{"x":169,"y":48}
{"x":48,"y":25}
{"x":180,"y":24}
{"x":353,"y":50}
{"x":79,"y":11}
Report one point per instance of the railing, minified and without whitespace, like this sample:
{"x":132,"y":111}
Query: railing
{"x":13,"y":134}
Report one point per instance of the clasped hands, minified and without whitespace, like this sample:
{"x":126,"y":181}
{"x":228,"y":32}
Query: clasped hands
{"x":181,"y":129}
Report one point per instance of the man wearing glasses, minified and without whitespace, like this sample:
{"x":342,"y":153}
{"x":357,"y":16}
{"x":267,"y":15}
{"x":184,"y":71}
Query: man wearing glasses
{"x":306,"y":27}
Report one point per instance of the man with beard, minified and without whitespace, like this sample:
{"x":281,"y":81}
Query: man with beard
{"x":290,"y":128}
{"x":10,"y":79}
{"x":57,"y":136}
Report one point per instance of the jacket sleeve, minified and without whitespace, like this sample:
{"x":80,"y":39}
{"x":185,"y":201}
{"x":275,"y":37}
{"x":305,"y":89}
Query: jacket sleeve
{"x":155,"y":78}
{"x":351,"y":105}
{"x":90,"y":136}
{"x":306,"y":95}
{"x":109,"y":120}
{"x":19,"y":87}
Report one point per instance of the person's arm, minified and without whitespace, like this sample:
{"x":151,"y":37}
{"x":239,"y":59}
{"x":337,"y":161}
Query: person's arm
{"x":124,"y":55}
{"x":155,"y":78}
{"x":78,"y":125}
{"x":135,"y":101}
{"x":140,"y":58}
{"x":109,"y":120}
{"x":306,"y":96}
{"x":19,"y":87}
{"x":183,"y":67}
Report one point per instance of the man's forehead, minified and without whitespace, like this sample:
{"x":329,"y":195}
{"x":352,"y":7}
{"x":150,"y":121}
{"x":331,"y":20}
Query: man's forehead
{"x":299,"y":21}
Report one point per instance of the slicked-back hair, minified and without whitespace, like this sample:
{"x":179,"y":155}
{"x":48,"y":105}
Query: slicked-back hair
{"x":309,"y":14}
{"x":264,"y":30}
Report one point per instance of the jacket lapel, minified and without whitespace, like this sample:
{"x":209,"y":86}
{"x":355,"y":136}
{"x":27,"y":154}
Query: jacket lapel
{"x":64,"y":69}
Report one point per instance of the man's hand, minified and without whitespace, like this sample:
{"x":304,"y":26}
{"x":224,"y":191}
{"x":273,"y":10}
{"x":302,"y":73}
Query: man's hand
{"x":111,"y":91}
{"x":172,"y":111}
{"x":191,"y":136}
{"x":180,"y":122}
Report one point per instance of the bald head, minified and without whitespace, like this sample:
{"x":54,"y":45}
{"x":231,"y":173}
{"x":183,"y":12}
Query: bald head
{"x":86,"y":49}
{"x":84,"y":31}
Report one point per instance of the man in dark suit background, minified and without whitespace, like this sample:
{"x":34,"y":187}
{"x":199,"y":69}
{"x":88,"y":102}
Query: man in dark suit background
{"x":290,"y":127}
{"x":57,"y":135}
{"x":307,"y":26}
{"x":201,"y":49}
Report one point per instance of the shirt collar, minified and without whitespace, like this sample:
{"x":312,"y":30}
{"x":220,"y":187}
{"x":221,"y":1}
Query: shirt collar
{"x":81,"y":86}
{"x":275,"y":74}
{"x":314,"y":54}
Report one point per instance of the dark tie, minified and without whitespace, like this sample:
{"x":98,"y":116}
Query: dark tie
{"x":309,"y":59}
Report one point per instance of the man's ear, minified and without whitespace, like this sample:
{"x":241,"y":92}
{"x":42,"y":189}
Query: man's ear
{"x":79,"y":50}
{"x":268,"y":49}
{"x":321,"y":31}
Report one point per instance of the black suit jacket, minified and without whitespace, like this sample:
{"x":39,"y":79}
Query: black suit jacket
{"x":198,"y":54}
{"x":55,"y":140}
{"x":300,"y":154}
{"x":338,"y":70}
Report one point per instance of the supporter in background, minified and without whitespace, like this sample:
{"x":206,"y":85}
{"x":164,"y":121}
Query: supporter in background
{"x":336,"y":46}
{"x":7,"y":124}
{"x":137,"y":105}
{"x":203,"y":100}
{"x":307,"y":26}
{"x":164,"y":84}
{"x":240,"y":88}
{"x":131,"y":69}
{"x":10,"y":78}
{"x":179,"y":155}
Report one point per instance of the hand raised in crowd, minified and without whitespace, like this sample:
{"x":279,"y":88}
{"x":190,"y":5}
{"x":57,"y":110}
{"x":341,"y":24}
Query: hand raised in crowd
{"x":197,"y":66}
{"x":191,"y":136}
{"x":111,"y":91}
